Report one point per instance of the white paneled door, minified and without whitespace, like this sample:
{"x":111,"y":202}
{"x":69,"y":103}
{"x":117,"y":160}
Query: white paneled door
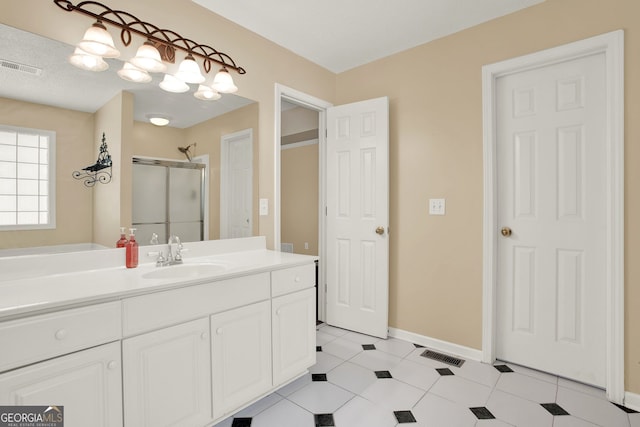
{"x":236,"y":186}
{"x":551,"y":174}
{"x":357,"y":273}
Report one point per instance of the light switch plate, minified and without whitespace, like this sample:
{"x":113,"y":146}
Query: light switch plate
{"x":436,"y":206}
{"x":264,"y":207}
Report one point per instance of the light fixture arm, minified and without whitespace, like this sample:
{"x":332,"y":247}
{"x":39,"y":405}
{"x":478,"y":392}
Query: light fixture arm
{"x":167,"y":41}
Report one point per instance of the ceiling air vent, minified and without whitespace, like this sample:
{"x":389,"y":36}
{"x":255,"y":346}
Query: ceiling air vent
{"x":15,"y":66}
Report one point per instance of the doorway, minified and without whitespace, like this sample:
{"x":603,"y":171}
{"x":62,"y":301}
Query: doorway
{"x":236,"y":184}
{"x":515,"y":184}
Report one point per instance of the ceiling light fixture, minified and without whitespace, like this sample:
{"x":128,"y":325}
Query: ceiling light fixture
{"x":159,"y":119}
{"x":98,"y":41}
{"x":87,"y":61}
{"x":173,"y":84}
{"x":160,"y":46}
{"x":206,"y":93}
{"x":223,"y":82}
{"x":134,"y":74}
{"x":148,"y":58}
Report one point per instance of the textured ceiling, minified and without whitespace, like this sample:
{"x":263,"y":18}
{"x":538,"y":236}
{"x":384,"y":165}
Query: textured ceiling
{"x":340,"y":35}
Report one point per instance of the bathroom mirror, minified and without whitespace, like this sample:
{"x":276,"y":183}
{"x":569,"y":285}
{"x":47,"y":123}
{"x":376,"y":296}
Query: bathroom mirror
{"x":40,"y":89}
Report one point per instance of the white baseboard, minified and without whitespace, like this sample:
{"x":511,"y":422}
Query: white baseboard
{"x":438,"y":345}
{"x":632,"y":400}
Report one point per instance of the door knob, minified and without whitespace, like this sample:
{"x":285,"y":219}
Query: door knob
{"x":506,"y":231}
{"x":380,"y":230}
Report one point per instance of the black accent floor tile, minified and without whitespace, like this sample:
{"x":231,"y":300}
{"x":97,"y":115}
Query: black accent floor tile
{"x":418,"y":345}
{"x":503,"y":368}
{"x":368,"y":347}
{"x":625,"y":409}
{"x":318,"y":377}
{"x":383,"y":374}
{"x":554,"y":409}
{"x":241,"y":422}
{"x":318,"y":348}
{"x":324,"y":420}
{"x":404,"y":417}
{"x":445,"y":371}
{"x":482,"y":413}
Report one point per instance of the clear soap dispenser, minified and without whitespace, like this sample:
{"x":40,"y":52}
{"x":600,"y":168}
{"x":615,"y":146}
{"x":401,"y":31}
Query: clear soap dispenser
{"x":123,"y":239}
{"x":132,"y":250}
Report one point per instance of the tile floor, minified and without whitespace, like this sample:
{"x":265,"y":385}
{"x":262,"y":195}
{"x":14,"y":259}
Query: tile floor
{"x":361,"y":381}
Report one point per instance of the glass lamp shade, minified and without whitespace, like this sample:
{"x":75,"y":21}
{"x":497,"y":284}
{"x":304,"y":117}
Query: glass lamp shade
{"x":206,"y":93}
{"x":189,"y":71}
{"x":158,"y":120}
{"x":172,"y":84}
{"x":97,"y":41}
{"x":134,"y":74}
{"x":86,"y":61}
{"x":148,"y":58}
{"x":223,"y":82}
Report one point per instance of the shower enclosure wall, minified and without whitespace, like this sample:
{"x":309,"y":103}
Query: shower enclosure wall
{"x":168,"y":200}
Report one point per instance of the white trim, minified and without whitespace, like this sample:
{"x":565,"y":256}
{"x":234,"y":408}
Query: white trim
{"x":632,"y":401}
{"x":286,"y":93}
{"x":225,"y":140}
{"x":204,"y":159}
{"x":438,"y":345}
{"x":299,"y":144}
{"x":612,"y":45}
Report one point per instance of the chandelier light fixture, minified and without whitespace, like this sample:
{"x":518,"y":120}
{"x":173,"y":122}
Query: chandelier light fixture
{"x":159,"y":48}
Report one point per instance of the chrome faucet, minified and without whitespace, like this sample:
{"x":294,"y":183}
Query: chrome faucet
{"x":174,"y":256}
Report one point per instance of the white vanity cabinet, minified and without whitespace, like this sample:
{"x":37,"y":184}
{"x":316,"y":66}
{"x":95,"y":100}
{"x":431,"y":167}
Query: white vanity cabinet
{"x":293,"y":322}
{"x":167,"y":376}
{"x":240,"y":356}
{"x":87,"y":383}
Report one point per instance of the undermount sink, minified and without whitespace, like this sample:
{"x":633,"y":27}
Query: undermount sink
{"x":185,"y":271}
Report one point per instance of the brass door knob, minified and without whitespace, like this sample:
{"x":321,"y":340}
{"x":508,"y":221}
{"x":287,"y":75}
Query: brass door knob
{"x":506,"y":231}
{"x":380,"y":230}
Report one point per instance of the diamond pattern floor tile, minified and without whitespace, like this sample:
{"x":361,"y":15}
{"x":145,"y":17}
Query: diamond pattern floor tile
{"x":391,"y":385}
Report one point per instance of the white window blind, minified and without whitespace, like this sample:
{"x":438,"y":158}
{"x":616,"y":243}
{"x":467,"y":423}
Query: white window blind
{"x":27,"y":178}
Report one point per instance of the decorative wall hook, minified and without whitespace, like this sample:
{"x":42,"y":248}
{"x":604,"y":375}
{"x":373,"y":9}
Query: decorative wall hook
{"x":100,"y":171}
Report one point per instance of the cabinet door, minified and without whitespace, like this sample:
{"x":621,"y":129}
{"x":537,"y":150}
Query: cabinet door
{"x":87,"y":383}
{"x":241,"y":356}
{"x":294,"y":338}
{"x":167,"y":377}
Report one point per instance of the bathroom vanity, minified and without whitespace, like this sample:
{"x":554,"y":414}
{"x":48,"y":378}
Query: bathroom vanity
{"x":184,"y":345}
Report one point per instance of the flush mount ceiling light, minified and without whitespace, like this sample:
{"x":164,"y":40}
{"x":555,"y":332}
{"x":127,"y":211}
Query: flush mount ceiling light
{"x":159,"y":119}
{"x":160,"y":47}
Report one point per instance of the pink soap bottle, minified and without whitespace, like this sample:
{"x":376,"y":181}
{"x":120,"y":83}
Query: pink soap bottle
{"x":123,"y":239}
{"x":132,"y":250}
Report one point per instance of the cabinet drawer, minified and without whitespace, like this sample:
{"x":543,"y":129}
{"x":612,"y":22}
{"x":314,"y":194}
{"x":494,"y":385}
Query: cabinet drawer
{"x":37,"y":338}
{"x":154,"y":311}
{"x":292,"y":279}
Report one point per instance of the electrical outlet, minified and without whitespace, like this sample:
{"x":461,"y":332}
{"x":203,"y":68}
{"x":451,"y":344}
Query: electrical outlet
{"x":436,"y":206}
{"x":306,"y":245}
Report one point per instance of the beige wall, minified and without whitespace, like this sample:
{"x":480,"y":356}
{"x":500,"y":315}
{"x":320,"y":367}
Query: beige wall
{"x":297,"y":120}
{"x":299,"y":198}
{"x":74,"y":151}
{"x":112,"y":207}
{"x":436,"y":138}
{"x":207,"y":135}
{"x":436,"y":151}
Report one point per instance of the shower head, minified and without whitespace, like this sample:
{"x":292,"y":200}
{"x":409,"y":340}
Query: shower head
{"x":185,"y":150}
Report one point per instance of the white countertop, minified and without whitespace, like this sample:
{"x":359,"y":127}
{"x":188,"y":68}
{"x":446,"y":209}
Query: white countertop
{"x":33,"y":284}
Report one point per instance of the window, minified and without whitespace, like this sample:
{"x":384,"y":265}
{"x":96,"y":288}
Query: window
{"x":27,"y":178}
